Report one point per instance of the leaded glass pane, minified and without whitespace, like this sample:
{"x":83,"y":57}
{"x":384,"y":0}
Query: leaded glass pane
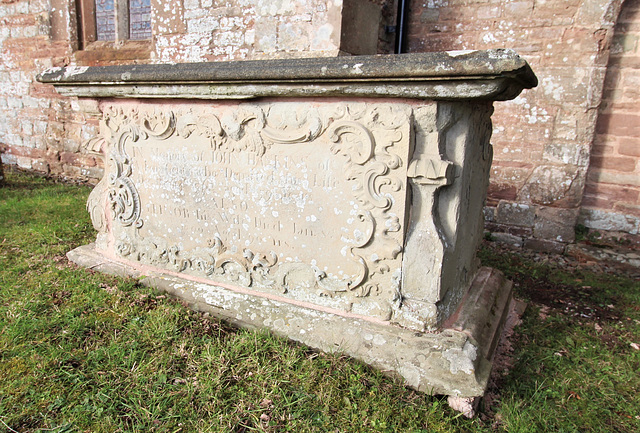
{"x":139,"y":19}
{"x":105,"y":20}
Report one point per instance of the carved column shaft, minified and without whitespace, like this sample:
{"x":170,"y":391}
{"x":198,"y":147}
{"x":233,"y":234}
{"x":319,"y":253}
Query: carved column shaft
{"x":447,"y":196}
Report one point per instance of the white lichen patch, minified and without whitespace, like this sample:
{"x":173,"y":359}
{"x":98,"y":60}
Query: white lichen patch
{"x":70,"y":71}
{"x":461,"y":359}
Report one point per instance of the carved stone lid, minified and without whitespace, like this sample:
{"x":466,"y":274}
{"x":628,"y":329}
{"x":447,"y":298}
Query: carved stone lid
{"x":490,"y":75}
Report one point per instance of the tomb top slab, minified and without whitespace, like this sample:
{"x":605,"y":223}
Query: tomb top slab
{"x":485,"y":75}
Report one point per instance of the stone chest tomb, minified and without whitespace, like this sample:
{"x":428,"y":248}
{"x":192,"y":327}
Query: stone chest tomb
{"x":335,"y":201}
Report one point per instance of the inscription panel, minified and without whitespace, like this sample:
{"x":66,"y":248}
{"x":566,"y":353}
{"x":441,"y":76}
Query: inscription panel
{"x":305,"y":201}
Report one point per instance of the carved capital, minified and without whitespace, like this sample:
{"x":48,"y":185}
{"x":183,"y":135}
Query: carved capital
{"x":427,"y":171}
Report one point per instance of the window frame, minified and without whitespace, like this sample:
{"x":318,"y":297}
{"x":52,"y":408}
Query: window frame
{"x":88,"y":32}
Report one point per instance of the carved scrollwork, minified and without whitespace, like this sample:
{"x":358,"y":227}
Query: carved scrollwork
{"x":125,"y":202}
{"x":95,"y":206}
{"x":96,"y":201}
{"x":125,"y":248}
{"x":204,"y":126}
{"x":159,"y":125}
{"x":122,"y":193}
{"x":243,"y":127}
{"x":375,"y":181}
{"x":284,"y":128}
{"x":352,"y":140}
{"x":364,"y":138}
{"x":215,"y":260}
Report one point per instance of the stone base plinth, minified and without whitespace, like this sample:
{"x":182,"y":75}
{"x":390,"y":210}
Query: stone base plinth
{"x":455,"y":361}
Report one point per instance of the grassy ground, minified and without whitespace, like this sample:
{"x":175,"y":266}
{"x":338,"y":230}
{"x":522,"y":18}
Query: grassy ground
{"x":81,"y":351}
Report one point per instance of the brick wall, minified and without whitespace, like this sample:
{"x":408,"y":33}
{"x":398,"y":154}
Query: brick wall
{"x":542,"y":139}
{"x":39,"y":130}
{"x":612,"y":194}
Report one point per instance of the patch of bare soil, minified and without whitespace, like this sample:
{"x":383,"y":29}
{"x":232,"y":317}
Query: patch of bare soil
{"x":580,"y":303}
{"x":502,"y":362}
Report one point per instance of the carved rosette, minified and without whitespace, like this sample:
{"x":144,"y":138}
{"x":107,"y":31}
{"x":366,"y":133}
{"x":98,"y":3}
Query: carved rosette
{"x":365,"y":136}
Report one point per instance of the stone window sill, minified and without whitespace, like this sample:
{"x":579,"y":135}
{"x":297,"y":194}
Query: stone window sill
{"x":110,"y":52}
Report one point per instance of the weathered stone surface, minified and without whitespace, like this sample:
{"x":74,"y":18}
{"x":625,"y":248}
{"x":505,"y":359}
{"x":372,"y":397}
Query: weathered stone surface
{"x":609,"y":221}
{"x":520,"y":231}
{"x":347,"y":224}
{"x":545,"y":245}
{"x":455,"y":361}
{"x":506,"y":238}
{"x":567,"y":43}
{"x":490,"y":75}
{"x":360,"y":23}
{"x":302,"y":200}
{"x":554,"y":185}
{"x":515,"y":214}
{"x":612,"y":193}
{"x":555,"y":224}
{"x":307,"y":200}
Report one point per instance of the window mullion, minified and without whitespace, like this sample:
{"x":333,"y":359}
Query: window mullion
{"x":122,"y":19}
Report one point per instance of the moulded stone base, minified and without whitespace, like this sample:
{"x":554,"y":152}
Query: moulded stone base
{"x":455,"y":361}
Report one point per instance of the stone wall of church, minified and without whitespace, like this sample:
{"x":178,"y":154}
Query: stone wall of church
{"x":542,"y":140}
{"x":612,"y":195}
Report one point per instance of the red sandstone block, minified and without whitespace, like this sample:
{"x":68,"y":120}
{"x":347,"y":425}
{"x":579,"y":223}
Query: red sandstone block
{"x":502,"y":192}
{"x":545,"y":245}
{"x":509,"y":176}
{"x":434,"y":42}
{"x":630,"y":12}
{"x":69,"y":158}
{"x":41,"y":166}
{"x":510,"y":229}
{"x":631,"y":62}
{"x":518,"y":9}
{"x":21,"y":20}
{"x":622,"y":102}
{"x":55,"y":167}
{"x":459,"y":13}
{"x":428,"y":28}
{"x":43,"y":90}
{"x":87,"y":161}
{"x":622,"y":164}
{"x":629,"y":180}
{"x":491,"y":11}
{"x":619,"y":124}
{"x":595,"y":202}
{"x":601,"y":146}
{"x":24,"y":151}
{"x":630,"y":147}
{"x":628,"y":208}
{"x":614,"y":78}
{"x":564,"y":8}
{"x":613,"y":193}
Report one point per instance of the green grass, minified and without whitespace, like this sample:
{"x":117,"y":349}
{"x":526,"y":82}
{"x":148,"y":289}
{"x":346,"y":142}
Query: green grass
{"x":575,"y":369}
{"x":82,"y":351}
